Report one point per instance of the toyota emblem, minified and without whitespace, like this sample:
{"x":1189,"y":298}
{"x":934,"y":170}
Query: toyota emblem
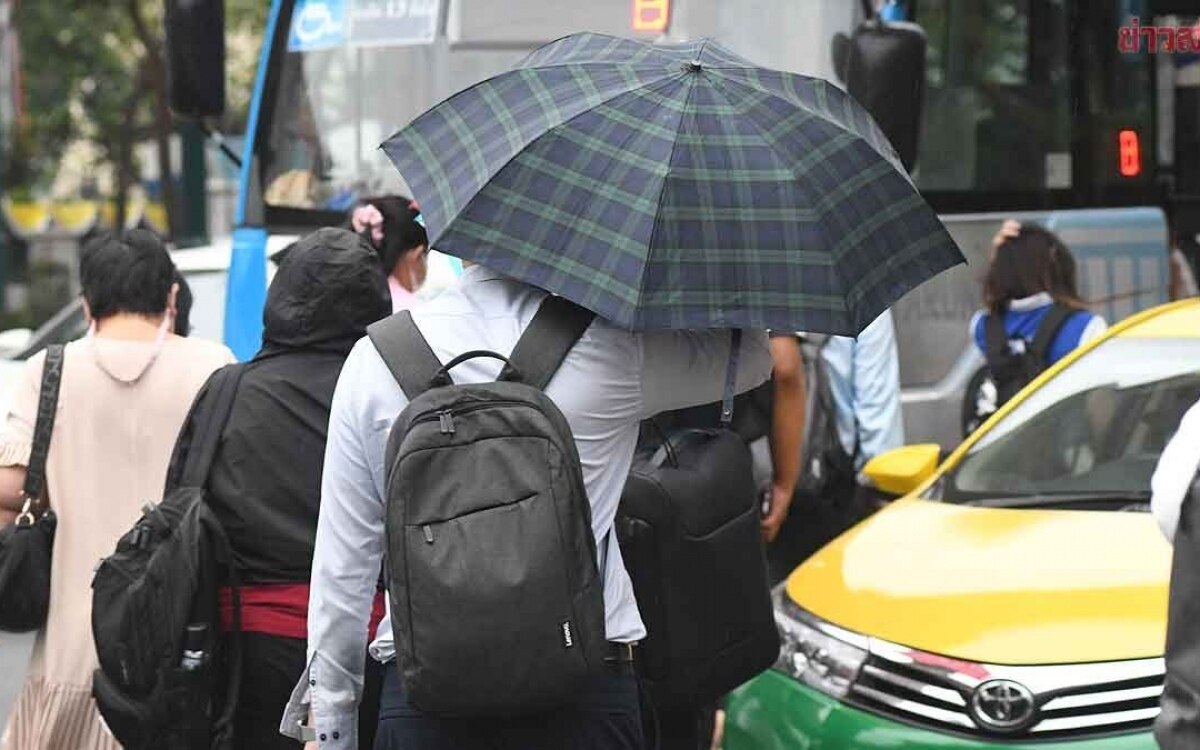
{"x":1003,"y":706}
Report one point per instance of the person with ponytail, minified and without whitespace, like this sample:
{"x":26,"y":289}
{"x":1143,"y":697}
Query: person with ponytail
{"x":393,"y":225}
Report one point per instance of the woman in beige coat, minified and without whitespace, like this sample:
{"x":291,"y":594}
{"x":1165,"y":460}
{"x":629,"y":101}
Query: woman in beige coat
{"x":125,"y":391}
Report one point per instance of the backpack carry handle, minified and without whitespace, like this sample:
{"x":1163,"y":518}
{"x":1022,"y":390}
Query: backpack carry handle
{"x":666,"y":451}
{"x":539,"y":352}
{"x":442,"y":378}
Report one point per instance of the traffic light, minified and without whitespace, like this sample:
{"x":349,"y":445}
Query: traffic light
{"x":195,"y":46}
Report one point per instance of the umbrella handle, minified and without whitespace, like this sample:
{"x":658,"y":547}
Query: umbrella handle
{"x":442,"y":378}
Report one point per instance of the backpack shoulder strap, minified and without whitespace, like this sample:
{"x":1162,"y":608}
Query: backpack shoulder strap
{"x":35,"y":473}
{"x":211,"y":425}
{"x":554,"y":330}
{"x":405,"y":352}
{"x":1047,"y":330}
{"x":994,"y":336}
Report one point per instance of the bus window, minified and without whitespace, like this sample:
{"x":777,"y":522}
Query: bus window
{"x":997,"y":109}
{"x":334,"y":106}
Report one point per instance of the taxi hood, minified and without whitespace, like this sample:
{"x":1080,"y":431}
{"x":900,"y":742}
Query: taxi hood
{"x":999,"y":586}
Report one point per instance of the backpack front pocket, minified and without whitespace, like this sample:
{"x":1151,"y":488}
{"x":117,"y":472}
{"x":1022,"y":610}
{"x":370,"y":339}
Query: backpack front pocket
{"x":485,"y":591}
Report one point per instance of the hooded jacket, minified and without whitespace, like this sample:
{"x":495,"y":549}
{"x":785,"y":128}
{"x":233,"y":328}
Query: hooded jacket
{"x":265,"y":483}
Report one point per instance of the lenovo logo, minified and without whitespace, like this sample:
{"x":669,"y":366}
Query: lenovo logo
{"x":568,"y":641}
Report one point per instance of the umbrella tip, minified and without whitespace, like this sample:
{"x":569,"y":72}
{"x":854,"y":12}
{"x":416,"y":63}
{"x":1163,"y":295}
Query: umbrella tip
{"x":692,"y":67}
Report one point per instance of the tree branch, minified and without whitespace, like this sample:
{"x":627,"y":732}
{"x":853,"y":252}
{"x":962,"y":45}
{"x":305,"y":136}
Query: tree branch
{"x":143,"y":32}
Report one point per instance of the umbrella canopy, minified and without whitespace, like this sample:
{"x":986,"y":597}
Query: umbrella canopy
{"x":674,"y":186}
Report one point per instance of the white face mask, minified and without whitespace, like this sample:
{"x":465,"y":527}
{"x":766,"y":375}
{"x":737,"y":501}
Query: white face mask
{"x":160,"y":338}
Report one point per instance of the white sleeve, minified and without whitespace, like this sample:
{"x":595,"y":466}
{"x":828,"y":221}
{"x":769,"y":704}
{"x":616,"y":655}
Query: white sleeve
{"x":688,"y":368}
{"x":1094,"y":329}
{"x":877,"y":409}
{"x":345,"y":569}
{"x":1175,"y":472}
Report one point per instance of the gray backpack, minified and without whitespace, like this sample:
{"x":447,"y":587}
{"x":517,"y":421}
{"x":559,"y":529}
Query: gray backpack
{"x":497,"y":602}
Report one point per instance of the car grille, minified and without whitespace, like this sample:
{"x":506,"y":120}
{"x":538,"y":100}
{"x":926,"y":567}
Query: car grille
{"x":1065,"y":701}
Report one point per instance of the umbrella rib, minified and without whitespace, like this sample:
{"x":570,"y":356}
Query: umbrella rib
{"x":667,"y":76}
{"x":517,"y":152}
{"x":767,"y":139}
{"x":666,"y":178}
{"x":799,"y":105}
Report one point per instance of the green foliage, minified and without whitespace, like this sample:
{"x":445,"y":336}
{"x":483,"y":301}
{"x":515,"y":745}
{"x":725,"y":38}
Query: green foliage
{"x":17,"y":319}
{"x":245,"y":21}
{"x":87,"y":73}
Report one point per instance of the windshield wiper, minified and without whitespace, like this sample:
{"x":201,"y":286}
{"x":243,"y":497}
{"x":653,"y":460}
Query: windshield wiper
{"x":1035,"y":500}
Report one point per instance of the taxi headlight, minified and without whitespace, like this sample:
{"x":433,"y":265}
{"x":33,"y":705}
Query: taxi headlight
{"x":810,"y":654}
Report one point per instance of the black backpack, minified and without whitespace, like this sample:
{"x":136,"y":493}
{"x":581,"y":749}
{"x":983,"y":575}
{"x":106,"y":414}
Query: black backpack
{"x":1011,"y":371}
{"x":826,"y":465}
{"x":688,"y":526}
{"x":155,"y":613}
{"x":496,"y":598}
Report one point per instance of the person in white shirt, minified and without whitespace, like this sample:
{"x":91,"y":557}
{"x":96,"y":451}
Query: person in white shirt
{"x":1175,"y":473}
{"x":610,"y":381}
{"x":1178,"y":724}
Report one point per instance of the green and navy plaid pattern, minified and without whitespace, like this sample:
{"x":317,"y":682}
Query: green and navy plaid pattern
{"x":674,"y":186}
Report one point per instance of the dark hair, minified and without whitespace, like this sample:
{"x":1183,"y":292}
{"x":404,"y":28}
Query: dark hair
{"x":183,"y":306}
{"x":401,"y":232}
{"x":126,"y":273}
{"x":1034,"y":261}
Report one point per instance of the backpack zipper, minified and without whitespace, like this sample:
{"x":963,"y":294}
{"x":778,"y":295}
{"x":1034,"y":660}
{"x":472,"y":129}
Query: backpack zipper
{"x":428,"y":532}
{"x":445,"y":417}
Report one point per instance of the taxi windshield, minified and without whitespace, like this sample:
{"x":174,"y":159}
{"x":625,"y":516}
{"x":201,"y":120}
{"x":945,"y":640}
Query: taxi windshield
{"x":1096,"y":429}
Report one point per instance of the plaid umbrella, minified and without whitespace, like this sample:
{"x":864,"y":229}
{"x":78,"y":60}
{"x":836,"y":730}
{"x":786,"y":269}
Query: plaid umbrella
{"x":674,"y":186}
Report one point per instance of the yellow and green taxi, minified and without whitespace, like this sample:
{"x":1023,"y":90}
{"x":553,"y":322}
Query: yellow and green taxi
{"x":1015,"y":596}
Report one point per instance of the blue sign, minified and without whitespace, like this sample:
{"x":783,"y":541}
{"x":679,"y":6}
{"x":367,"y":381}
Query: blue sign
{"x":317,"y":24}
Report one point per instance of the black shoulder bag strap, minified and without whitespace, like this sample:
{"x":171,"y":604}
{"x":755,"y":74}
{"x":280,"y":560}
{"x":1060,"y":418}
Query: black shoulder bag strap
{"x":208,"y":430}
{"x":405,"y":352}
{"x":556,"y":327}
{"x":209,"y":427}
{"x":35,"y":472}
{"x":1047,"y":331}
{"x":995,"y":337}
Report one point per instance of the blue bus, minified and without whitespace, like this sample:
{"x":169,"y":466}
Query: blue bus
{"x":1031,"y":110}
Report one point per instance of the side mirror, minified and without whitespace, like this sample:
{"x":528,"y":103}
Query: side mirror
{"x":195,"y":46}
{"x":883,"y":66}
{"x":900,"y":471}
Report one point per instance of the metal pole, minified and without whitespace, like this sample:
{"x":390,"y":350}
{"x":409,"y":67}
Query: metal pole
{"x":193,"y":230}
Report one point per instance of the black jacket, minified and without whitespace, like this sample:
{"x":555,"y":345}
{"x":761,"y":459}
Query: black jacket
{"x":265,"y":484}
{"x":1178,"y":726}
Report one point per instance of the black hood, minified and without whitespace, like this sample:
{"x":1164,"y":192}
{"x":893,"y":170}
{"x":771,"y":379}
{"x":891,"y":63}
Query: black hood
{"x":328,"y":289}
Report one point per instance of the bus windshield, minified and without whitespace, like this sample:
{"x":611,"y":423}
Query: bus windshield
{"x":346,"y":74}
{"x":335,"y":106}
